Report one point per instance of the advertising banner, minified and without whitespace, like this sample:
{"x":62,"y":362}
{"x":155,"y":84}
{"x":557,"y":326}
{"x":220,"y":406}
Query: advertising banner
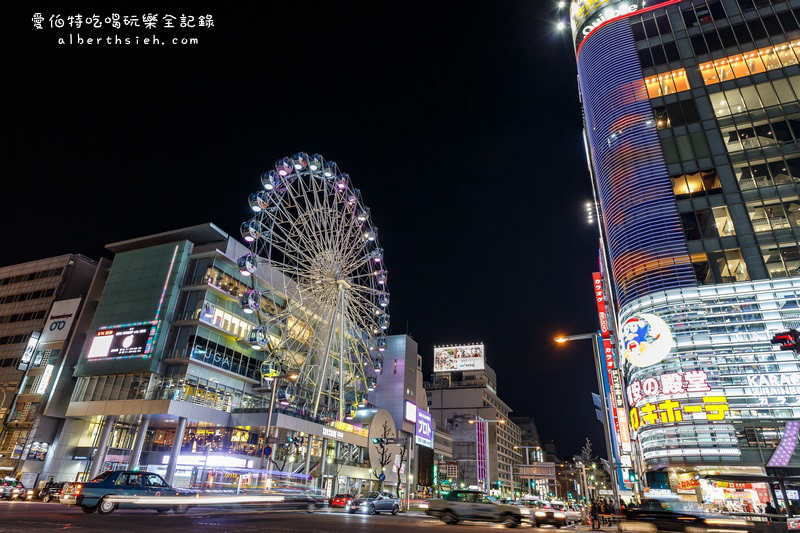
{"x":482,"y":439}
{"x":456,"y":358}
{"x":424,"y":430}
{"x":27,"y":355}
{"x":599,"y":296}
{"x":127,"y":340}
{"x":59,"y":321}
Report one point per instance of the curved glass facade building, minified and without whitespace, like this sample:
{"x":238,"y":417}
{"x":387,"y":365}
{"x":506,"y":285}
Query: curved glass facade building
{"x":692,"y":118}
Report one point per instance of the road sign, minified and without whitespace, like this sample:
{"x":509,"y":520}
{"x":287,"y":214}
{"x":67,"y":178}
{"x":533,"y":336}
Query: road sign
{"x":267,"y":451}
{"x":400,"y":440}
{"x":382,"y":477}
{"x":277,"y":440}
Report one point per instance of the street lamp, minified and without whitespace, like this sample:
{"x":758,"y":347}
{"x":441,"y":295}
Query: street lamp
{"x":595,"y":337}
{"x":292,"y":376}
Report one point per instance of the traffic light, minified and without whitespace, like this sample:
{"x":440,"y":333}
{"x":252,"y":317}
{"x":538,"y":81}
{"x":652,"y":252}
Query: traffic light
{"x":379,"y":442}
{"x":789,"y":340}
{"x":632,"y":476}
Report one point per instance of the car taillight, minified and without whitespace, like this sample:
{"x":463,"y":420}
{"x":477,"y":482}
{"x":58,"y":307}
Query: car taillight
{"x":78,"y":488}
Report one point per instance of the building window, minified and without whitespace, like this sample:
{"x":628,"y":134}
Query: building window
{"x":741,"y":65}
{"x":781,"y":261}
{"x":671,"y":82}
{"x":768,"y":173}
{"x":696,"y":184}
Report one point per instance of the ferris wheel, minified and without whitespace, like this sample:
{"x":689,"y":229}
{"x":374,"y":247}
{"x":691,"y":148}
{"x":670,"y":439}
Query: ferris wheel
{"x":319,"y":286}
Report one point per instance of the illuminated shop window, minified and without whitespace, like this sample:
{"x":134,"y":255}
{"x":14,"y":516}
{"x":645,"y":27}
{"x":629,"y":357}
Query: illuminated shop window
{"x":696,"y":184}
{"x":741,"y":65}
{"x":671,"y":82}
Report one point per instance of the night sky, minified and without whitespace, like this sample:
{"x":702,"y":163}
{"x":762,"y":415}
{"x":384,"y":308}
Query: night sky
{"x":459,"y":122}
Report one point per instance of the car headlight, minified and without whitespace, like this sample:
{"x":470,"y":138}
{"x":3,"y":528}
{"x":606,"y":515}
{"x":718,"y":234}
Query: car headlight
{"x":540,"y":514}
{"x":365,"y":504}
{"x":559,"y":515}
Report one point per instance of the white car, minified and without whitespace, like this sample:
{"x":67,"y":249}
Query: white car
{"x":473,"y":505}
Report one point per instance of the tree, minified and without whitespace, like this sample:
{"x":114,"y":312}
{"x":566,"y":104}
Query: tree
{"x":586,"y":456}
{"x":384,"y":455}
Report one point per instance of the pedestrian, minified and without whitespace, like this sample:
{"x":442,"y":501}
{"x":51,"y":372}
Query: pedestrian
{"x":595,"y":512}
{"x":769,"y":509}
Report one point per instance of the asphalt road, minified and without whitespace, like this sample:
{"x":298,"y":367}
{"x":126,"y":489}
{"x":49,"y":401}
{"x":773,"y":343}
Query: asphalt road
{"x":31,"y":517}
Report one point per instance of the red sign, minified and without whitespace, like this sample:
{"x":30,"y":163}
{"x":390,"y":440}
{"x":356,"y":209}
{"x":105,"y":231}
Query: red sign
{"x":599,"y":296}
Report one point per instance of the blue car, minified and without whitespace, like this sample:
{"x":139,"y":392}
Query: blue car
{"x":98,"y":494}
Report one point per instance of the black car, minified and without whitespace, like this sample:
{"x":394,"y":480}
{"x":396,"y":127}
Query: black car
{"x":51,"y":491}
{"x":677,"y":515}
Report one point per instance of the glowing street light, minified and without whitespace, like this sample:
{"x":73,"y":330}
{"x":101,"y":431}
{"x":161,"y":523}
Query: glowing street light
{"x":561,"y":25}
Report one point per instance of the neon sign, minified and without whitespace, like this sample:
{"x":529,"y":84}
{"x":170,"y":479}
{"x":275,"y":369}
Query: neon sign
{"x":668,"y":384}
{"x":646,"y":340}
{"x":669,"y":411}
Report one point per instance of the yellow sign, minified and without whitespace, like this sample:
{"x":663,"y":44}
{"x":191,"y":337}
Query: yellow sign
{"x":670,"y":411}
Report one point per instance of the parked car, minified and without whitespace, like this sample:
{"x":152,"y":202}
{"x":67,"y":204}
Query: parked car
{"x":340,"y":500}
{"x":51,"y":491}
{"x":94,"y":495}
{"x":473,"y":505}
{"x":374,"y":503}
{"x":548,"y":513}
{"x":678,"y":515}
{"x":13,"y":490}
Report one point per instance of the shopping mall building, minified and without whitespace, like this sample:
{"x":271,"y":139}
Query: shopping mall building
{"x":169,"y":379}
{"x":692,"y":125}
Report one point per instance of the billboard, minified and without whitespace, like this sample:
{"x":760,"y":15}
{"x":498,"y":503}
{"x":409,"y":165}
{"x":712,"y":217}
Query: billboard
{"x":59,"y":321}
{"x":459,"y":357}
{"x":27,"y":355}
{"x":587,"y":15}
{"x":423,"y":435}
{"x":410,"y":412}
{"x":126,"y":340}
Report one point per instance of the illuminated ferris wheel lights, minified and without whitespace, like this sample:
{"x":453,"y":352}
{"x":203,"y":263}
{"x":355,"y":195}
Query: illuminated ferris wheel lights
{"x":300,"y":160}
{"x":383,"y":322}
{"x":341,"y":183}
{"x":284,"y":166}
{"x":269,"y":180}
{"x":383,"y":300}
{"x":249,"y":231}
{"x":315,"y":162}
{"x":363,"y":215}
{"x":247,"y":265}
{"x":369,"y":234}
{"x":329,"y":169}
{"x":255,"y":203}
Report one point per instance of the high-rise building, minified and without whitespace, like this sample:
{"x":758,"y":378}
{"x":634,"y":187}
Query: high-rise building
{"x":40,"y":302}
{"x":692,"y":128}
{"x":484,"y":439}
